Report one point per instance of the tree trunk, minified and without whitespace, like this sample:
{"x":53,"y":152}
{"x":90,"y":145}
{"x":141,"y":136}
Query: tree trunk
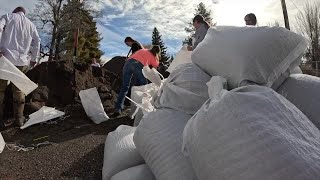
{"x":57,"y":49}
{"x":53,"y":41}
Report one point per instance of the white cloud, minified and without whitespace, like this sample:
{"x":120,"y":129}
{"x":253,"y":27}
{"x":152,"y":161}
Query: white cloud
{"x":169,"y":16}
{"x":137,"y":18}
{"x":172,"y":16}
{"x":104,"y":59}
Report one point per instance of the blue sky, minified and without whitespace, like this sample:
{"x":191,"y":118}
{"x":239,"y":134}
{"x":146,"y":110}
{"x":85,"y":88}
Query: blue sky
{"x":137,"y":18}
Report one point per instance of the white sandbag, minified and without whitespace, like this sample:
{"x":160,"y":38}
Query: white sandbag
{"x":158,"y":139}
{"x":11,"y":73}
{"x":184,"y":90}
{"x":141,"y":172}
{"x":245,"y":55}
{"x":295,"y":70}
{"x":42,"y":115}
{"x":303,"y":91}
{"x":92,"y":105}
{"x":182,"y":57}
{"x":2,"y":143}
{"x":252,"y":133}
{"x":120,"y":153}
{"x":142,"y":95}
{"x":216,"y":85}
{"x":152,"y":74}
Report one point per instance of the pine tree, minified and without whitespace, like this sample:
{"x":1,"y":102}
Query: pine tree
{"x":88,"y":39}
{"x":171,"y":58}
{"x":156,"y":40}
{"x":55,"y":19}
{"x":200,"y":10}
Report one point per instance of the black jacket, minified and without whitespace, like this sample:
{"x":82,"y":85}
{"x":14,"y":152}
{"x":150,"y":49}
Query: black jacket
{"x":135,"y":47}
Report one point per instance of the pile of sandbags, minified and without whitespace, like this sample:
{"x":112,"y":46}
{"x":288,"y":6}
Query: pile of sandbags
{"x":120,"y":152}
{"x":252,"y":133}
{"x":302,"y":91}
{"x":237,"y":111}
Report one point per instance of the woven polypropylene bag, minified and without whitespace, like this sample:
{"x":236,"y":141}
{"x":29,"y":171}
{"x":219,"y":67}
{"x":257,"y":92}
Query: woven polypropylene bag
{"x":303,"y":91}
{"x":252,"y":133}
{"x":249,"y":55}
{"x":141,"y":172}
{"x":120,"y":153}
{"x":158,"y":139}
{"x":184,"y":90}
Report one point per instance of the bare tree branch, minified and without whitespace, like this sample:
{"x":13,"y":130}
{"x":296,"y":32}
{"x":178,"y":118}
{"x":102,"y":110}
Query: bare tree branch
{"x":309,"y":25}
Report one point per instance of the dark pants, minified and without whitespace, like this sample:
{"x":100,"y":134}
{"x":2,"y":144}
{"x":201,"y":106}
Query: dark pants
{"x":130,"y":68}
{"x":18,"y":98}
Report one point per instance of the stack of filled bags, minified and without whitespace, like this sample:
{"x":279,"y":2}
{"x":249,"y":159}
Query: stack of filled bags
{"x":236,"y":112}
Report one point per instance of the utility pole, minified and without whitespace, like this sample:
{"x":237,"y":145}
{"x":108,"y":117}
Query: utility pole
{"x":285,"y":14}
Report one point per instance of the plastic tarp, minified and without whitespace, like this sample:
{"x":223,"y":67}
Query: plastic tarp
{"x":42,"y":115}
{"x":93,"y":106}
{"x":249,"y":55}
{"x":252,"y":133}
{"x":2,"y":143}
{"x":143,"y":95}
{"x":153,"y":75}
{"x":11,"y":73}
{"x":182,"y":57}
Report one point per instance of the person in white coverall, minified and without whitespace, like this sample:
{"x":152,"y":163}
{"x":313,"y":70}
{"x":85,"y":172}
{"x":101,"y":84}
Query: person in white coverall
{"x":18,"y":36}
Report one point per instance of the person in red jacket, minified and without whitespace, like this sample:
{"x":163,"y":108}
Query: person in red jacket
{"x":134,"y":66}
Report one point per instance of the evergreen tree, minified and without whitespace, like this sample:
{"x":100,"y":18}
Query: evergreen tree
{"x":88,"y":38}
{"x":171,"y":58}
{"x":56,"y":19}
{"x":156,"y":40}
{"x":200,"y":10}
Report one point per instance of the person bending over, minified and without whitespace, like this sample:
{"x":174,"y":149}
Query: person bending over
{"x":134,"y":66}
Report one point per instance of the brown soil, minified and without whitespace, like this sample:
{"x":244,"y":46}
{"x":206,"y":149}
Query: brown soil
{"x":60,"y":83}
{"x":64,"y":80}
{"x":77,"y":144}
{"x":75,"y":150}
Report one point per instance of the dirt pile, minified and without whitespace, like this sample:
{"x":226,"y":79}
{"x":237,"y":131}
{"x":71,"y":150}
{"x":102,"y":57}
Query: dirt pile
{"x":61,"y":81}
{"x":115,"y":66}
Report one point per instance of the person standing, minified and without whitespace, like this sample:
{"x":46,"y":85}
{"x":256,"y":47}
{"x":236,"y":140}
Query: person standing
{"x":135,"y":46}
{"x":19,"y":36}
{"x":201,"y":30}
{"x":250,"y":19}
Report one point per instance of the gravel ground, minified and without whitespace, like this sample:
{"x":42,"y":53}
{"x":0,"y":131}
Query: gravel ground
{"x":75,"y":152}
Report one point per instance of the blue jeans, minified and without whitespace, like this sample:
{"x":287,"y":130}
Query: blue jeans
{"x":130,"y":68}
